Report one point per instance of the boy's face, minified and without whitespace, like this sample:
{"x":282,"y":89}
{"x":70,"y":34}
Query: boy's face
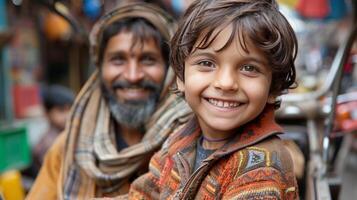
{"x":226,"y":88}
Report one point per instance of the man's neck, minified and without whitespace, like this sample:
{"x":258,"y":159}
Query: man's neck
{"x":130,"y":135}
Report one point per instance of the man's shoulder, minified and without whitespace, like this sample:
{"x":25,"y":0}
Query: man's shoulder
{"x":56,"y":151}
{"x":46,"y":183}
{"x":59,"y":143}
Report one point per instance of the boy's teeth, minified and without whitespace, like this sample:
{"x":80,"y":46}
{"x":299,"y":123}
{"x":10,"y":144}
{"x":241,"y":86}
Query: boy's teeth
{"x":226,"y":104}
{"x":223,"y":104}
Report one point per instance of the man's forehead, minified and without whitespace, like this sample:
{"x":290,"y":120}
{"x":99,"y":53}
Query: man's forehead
{"x":129,"y":42}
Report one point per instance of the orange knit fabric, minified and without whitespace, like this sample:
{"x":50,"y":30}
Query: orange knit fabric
{"x":255,"y":165}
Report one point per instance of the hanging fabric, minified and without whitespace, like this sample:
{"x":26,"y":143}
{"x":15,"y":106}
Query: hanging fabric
{"x":313,"y":9}
{"x":338,"y":9}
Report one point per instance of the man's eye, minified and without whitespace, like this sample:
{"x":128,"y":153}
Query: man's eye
{"x":117,"y":60}
{"x":206,"y":63}
{"x":148,"y":60}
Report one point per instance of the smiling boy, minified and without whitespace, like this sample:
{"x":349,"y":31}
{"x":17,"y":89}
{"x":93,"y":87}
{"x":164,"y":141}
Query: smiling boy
{"x":233,"y":58}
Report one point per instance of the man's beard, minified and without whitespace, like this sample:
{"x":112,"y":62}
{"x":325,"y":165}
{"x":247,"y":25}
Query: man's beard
{"x":132,"y":113}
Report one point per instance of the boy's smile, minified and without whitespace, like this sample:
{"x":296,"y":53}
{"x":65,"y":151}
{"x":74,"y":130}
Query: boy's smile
{"x":223,"y":104}
{"x":226,"y":87}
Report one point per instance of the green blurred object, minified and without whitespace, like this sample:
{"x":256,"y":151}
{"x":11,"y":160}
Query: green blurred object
{"x":14,"y":148}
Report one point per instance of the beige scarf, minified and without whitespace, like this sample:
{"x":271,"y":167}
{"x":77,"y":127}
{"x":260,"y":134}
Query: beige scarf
{"x":91,"y":164}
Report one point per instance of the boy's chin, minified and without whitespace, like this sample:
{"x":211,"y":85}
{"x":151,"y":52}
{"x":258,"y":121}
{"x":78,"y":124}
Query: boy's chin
{"x":222,"y":129}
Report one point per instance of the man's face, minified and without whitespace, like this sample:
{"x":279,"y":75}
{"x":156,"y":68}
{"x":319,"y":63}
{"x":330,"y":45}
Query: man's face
{"x":132,"y":77}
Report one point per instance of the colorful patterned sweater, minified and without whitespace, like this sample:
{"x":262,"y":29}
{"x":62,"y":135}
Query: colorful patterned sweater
{"x":254,"y":165}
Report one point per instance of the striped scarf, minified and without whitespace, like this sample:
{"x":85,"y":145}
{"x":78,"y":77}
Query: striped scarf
{"x":91,"y":163}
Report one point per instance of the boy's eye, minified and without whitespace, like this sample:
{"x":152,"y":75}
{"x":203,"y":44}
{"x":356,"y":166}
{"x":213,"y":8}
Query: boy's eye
{"x":249,"y":68}
{"x":206,"y":63}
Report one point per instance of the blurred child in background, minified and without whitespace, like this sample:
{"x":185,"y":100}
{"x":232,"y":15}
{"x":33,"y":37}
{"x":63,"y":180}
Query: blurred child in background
{"x":57,"y":101}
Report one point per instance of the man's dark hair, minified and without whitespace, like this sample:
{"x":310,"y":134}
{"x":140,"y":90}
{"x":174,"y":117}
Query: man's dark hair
{"x":259,"y":20}
{"x":142,"y":31}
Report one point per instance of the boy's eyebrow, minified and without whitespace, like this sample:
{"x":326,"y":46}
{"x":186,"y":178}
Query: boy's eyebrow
{"x":257,"y":60}
{"x":209,"y":53}
{"x":202,"y":52}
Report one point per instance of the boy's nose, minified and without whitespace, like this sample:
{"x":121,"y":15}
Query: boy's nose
{"x":226,"y":79}
{"x":133,"y":72}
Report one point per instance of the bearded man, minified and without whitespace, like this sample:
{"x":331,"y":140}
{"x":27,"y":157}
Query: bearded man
{"x":123,"y":113}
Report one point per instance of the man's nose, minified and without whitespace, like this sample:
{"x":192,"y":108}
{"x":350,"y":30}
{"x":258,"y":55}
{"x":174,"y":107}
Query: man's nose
{"x":134,"y":72}
{"x":226,"y":79}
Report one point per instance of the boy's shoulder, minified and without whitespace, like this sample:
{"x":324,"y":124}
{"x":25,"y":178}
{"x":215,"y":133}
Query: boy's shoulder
{"x":269,"y":153}
{"x":263,"y":167}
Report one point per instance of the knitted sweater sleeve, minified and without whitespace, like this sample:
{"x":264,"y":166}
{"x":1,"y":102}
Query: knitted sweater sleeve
{"x":262,"y":183}
{"x":147,"y":186}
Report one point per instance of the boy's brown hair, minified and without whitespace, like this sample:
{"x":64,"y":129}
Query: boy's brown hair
{"x":260,"y":20}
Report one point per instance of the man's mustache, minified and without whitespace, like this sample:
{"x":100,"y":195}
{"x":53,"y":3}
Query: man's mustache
{"x":144,"y":84}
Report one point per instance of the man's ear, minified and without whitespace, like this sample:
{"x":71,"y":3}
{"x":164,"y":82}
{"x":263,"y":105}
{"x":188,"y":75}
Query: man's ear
{"x":180,"y":85}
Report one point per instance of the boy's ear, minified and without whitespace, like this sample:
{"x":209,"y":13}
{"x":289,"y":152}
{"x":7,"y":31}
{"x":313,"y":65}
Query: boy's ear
{"x":271,"y":99}
{"x":180,"y":85}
